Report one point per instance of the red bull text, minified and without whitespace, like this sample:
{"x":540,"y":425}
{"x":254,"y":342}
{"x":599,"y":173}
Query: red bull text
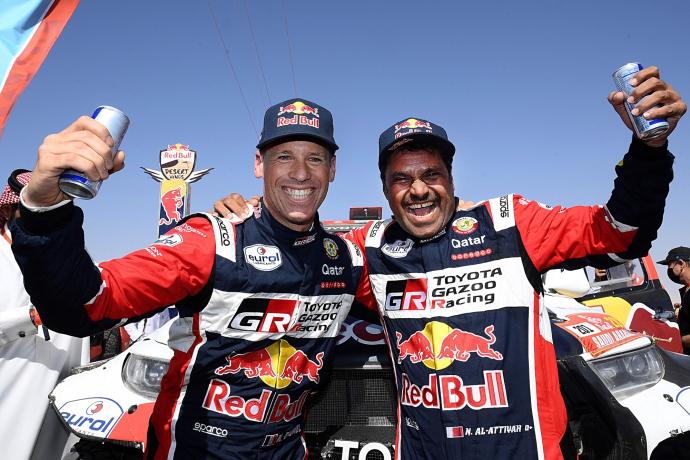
{"x":449,"y":392}
{"x":219,"y":399}
{"x":75,"y":183}
{"x":303,"y":115}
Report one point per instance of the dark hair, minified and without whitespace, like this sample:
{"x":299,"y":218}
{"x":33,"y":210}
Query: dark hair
{"x":415,"y":145}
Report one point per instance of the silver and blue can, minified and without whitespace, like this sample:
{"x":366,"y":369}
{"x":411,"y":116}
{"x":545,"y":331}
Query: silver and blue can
{"x":645,"y":129}
{"x":75,"y":183}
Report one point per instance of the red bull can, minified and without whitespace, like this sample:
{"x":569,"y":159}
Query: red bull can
{"x":75,"y":183}
{"x":645,"y":129}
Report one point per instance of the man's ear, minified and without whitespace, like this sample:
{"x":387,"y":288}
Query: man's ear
{"x":258,"y":165}
{"x":331,"y":173}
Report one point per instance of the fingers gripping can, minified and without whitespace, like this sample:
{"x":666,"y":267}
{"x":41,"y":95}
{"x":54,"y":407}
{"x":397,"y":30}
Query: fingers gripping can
{"x":645,"y":129}
{"x":75,"y":183}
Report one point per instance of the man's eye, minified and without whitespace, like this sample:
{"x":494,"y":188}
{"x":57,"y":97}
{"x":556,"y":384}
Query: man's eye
{"x":316,"y":159}
{"x":283,"y":157}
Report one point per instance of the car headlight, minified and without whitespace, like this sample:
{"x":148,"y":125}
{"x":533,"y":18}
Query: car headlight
{"x":143,"y":375}
{"x":630,"y":373}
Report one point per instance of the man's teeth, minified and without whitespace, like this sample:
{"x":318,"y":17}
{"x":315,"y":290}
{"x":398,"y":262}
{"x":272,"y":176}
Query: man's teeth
{"x":295,"y":193}
{"x":421,"y":205}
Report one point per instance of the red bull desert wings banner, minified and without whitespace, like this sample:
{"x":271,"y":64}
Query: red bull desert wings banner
{"x":176,"y":176}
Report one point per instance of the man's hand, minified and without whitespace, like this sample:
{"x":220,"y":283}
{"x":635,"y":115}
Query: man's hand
{"x":85,"y":146}
{"x":235,"y":204}
{"x":647,"y":82}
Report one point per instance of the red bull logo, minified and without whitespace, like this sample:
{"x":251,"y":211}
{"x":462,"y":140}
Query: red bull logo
{"x":438,"y":345}
{"x":277,"y":365}
{"x":299,"y":366}
{"x":254,"y":364}
{"x":459,"y":344}
{"x":171,"y":204}
{"x":413,"y":123}
{"x":300,"y":108}
{"x":449,"y":392}
{"x":219,"y":399}
{"x":417,"y":347}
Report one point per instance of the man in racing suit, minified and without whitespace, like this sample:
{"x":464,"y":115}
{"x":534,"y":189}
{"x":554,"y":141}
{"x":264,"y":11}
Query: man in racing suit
{"x":460,"y":294}
{"x":260,"y":302}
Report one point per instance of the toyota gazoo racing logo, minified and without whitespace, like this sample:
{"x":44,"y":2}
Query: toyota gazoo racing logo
{"x":398,"y":249}
{"x":465,"y":225}
{"x":262,"y":257}
{"x":437,"y":346}
{"x":278,"y":366}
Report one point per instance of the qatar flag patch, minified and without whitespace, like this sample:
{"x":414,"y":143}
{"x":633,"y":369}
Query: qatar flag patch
{"x":454,"y":432}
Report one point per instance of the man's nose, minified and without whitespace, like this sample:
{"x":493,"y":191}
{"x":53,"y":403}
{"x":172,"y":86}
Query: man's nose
{"x":419,"y":188}
{"x":299,"y":171}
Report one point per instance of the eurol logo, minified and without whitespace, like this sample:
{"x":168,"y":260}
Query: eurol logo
{"x":262,"y":257}
{"x":92,"y":416}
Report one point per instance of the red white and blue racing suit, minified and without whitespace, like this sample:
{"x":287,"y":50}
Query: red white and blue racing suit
{"x":469,"y":338}
{"x":260,"y":309}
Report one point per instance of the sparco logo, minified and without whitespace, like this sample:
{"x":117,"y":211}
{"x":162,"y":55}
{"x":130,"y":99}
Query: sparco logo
{"x":224,"y":234}
{"x":503,"y":204}
{"x":264,"y":258}
{"x":212,"y":430}
{"x":375,"y":228}
{"x":397,"y":249}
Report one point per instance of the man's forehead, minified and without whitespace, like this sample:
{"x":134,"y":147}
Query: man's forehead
{"x":424,"y":158}
{"x":298,"y":146}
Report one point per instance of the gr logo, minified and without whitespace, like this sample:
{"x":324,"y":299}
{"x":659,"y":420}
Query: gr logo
{"x":406,"y":294}
{"x":264,"y":315}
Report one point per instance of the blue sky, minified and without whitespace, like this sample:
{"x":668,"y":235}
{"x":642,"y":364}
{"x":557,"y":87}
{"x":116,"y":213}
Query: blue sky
{"x":519,"y":86}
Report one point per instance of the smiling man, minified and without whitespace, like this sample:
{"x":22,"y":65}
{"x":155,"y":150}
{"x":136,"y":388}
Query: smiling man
{"x":459,"y":292}
{"x":261,"y":302}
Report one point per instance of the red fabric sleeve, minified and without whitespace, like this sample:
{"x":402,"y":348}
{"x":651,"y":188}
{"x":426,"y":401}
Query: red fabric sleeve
{"x":176,"y":266}
{"x":364,"y":294}
{"x":554,"y":235}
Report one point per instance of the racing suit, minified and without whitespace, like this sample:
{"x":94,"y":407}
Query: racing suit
{"x":260,"y":308}
{"x":469,"y":338}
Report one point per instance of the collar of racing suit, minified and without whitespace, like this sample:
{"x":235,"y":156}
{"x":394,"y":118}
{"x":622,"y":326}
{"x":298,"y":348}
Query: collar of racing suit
{"x":268,"y":224}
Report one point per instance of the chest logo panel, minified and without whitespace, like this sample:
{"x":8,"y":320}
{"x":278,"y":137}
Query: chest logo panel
{"x":262,"y":257}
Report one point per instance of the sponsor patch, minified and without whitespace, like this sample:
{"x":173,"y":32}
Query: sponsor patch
{"x":154,"y":251}
{"x":397,"y":249}
{"x":467,"y":242}
{"x":210,"y":429}
{"x":331,"y":248}
{"x":92,"y":416}
{"x":189,"y":229}
{"x":262,"y":257}
{"x":171,"y":240}
{"x":304,"y":240}
{"x":472,"y":254}
{"x":465,"y":225}
{"x":332,"y":285}
{"x":329,"y":270}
